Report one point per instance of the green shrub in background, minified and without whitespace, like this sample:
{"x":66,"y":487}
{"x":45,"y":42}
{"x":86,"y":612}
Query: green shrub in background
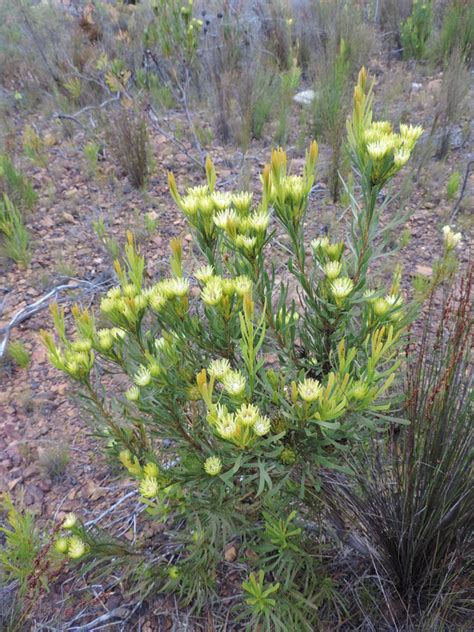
{"x":452,"y":187}
{"x":19,"y":354}
{"x":15,"y":184}
{"x":457,"y":31}
{"x":412,"y":499}
{"x":330,"y":109}
{"x":416,"y":30}
{"x":236,"y":399}
{"x":16,"y":240}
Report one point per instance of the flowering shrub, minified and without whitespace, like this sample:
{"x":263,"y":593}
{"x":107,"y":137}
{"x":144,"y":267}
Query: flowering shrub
{"x":236,"y":396}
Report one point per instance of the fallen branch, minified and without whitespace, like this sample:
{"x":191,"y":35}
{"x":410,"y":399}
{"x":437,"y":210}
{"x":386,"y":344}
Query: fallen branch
{"x":456,"y":207}
{"x":112,"y":508}
{"x":29,"y":311}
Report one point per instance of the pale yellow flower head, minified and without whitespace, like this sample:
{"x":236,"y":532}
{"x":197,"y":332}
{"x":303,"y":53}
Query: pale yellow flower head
{"x":247,"y":414}
{"x":133,"y":394}
{"x":234,"y":383}
{"x":332,"y":269}
{"x":142,"y":377}
{"x":219,"y":368}
{"x":149,"y":487}
{"x":69,"y":521}
{"x":342,"y":287}
{"x":204,"y":273}
{"x":262,"y":426}
{"x":212,"y":293}
{"x":213,"y":466}
{"x":451,"y":239}
{"x":76,"y":547}
{"x":309,"y":390}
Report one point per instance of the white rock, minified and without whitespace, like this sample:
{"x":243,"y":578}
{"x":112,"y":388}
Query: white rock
{"x":305,"y":98}
{"x":416,"y":86}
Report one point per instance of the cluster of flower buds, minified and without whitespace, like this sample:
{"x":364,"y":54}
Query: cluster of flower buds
{"x":451,"y":239}
{"x":386,"y":152}
{"x":321,"y":402}
{"x":245,"y":423}
{"x":208,"y":210}
{"x":76,"y":357}
{"x":329,"y":256}
{"x":288,"y":194}
{"x":383,"y":308}
{"x":72,"y":545}
{"x":153,"y":482}
{"x":219,"y":291}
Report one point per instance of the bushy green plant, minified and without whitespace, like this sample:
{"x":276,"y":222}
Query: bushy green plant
{"x":236,"y":396}
{"x":289,"y":81}
{"x":91,"y":153}
{"x":19,"y":567}
{"x":54,"y":461}
{"x":16,"y":239}
{"x":452,"y":99}
{"x":127,"y":137}
{"x":456,"y":30}
{"x":452,"y":187}
{"x":416,"y":30}
{"x":19,"y":354}
{"x":412,"y":495}
{"x":330,"y":109}
{"x":15,"y":184}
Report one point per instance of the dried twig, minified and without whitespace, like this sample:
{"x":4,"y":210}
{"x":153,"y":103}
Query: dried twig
{"x":28,"y":311}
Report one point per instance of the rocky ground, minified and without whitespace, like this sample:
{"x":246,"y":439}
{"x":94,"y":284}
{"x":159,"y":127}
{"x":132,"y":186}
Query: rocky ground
{"x":39,"y":410}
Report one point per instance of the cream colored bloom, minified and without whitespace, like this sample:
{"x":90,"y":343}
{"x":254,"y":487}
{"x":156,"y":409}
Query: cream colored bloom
{"x":221,"y":200}
{"x":242,"y":201}
{"x":219,"y":368}
{"x":342,"y":287}
{"x":242,"y":285}
{"x":76,"y":547}
{"x":333,"y":269}
{"x":234,"y":383}
{"x":190,"y":205}
{"x":245,"y":242}
{"x":198,"y":191}
{"x":262,"y":426}
{"x":204,"y":273}
{"x":309,"y":389}
{"x":320,"y":242}
{"x":212,"y":294}
{"x":149,"y":487}
{"x":157,"y":300}
{"x":226,"y":426}
{"x":133,"y":394}
{"x":142,"y":377}
{"x":61,"y":545}
{"x":206,"y":206}
{"x":359,"y":390}
{"x":179,"y":287}
{"x":401,"y":157}
{"x":151,"y":469}
{"x":105,"y":339}
{"x":247,"y":414}
{"x":379,"y":149}
{"x":380,"y":306}
{"x":213,"y":466}
{"x":410,"y":133}
{"x":451,"y":239}
{"x":69,"y":521}
{"x":226,"y":219}
{"x":259,"y":221}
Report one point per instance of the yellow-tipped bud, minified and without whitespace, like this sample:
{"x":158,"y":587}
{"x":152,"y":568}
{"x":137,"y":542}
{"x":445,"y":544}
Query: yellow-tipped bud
{"x":210,"y":174}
